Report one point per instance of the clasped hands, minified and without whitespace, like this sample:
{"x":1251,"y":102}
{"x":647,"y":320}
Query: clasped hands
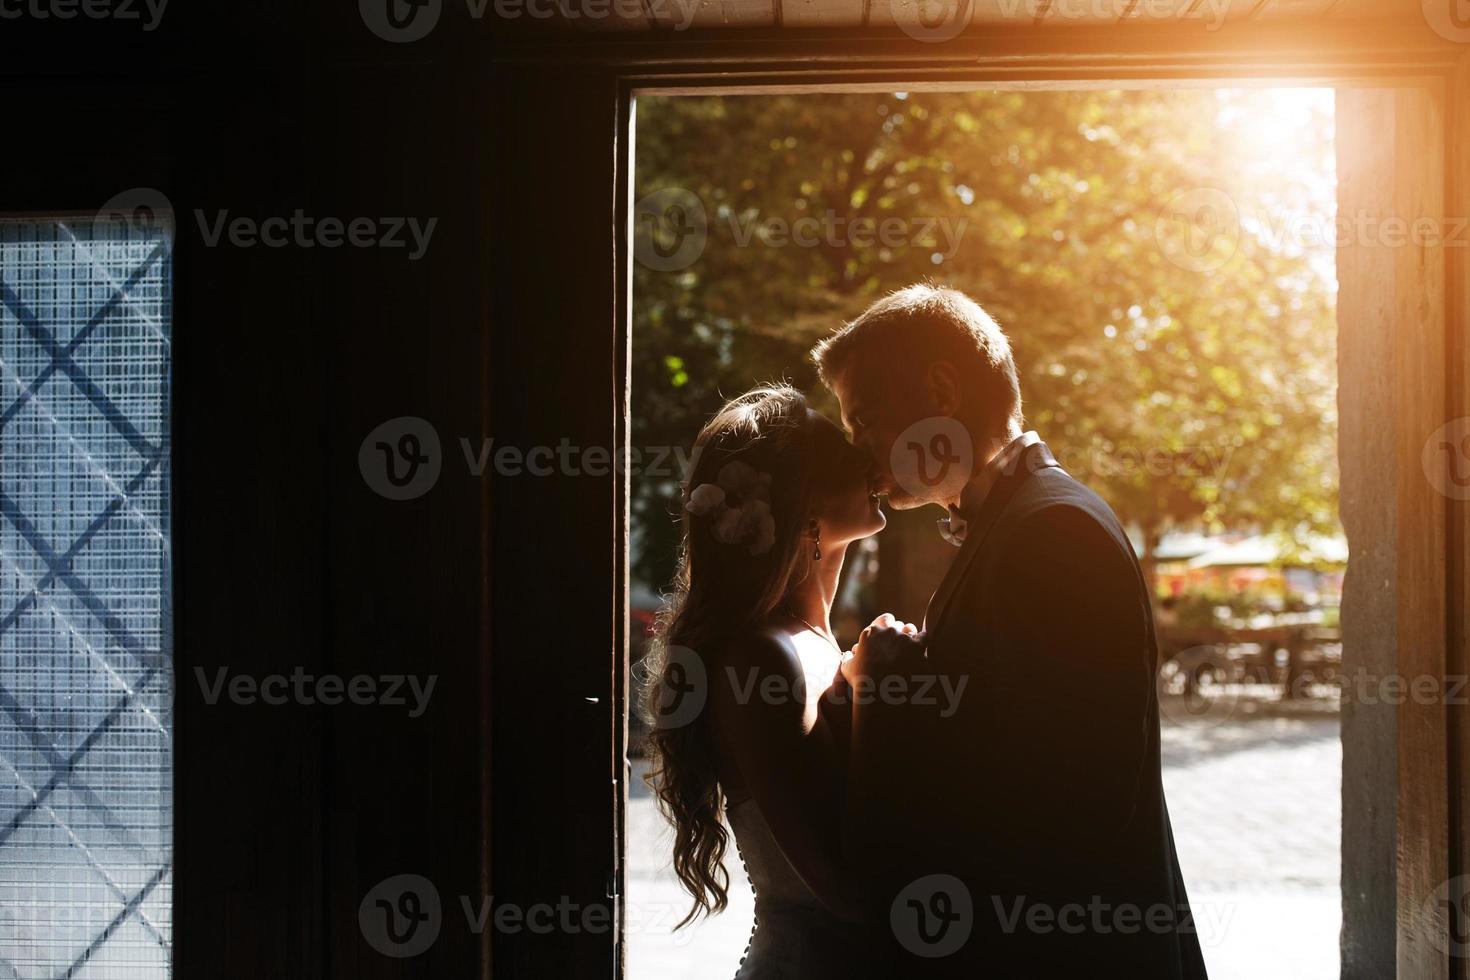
{"x":887,"y":646}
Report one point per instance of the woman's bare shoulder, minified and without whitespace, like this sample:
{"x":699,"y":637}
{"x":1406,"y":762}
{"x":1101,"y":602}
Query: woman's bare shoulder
{"x":751,"y":661}
{"x":764,"y":645}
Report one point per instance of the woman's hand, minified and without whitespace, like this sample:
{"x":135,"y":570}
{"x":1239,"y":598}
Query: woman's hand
{"x":887,"y":646}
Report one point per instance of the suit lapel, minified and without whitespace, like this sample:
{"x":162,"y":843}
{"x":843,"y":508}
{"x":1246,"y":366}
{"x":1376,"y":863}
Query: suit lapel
{"x":940,"y":599}
{"x":1034,"y":458}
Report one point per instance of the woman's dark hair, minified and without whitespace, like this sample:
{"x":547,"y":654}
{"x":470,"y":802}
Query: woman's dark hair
{"x":720,"y":589}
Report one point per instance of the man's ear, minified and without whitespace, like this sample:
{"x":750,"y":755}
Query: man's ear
{"x":943,"y":384}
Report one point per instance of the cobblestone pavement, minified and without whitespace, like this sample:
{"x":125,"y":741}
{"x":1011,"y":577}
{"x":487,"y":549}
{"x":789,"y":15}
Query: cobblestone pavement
{"x":1256,"y":809}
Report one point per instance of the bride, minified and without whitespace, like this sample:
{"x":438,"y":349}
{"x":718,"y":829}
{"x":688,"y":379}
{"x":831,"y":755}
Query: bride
{"x":775,"y":497}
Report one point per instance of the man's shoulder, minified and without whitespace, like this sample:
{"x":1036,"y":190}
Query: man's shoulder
{"x":1056,"y":537}
{"x":1053,"y":487}
{"x":1053,"y":503}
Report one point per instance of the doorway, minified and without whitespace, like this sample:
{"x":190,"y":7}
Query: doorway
{"x":1164,"y":263}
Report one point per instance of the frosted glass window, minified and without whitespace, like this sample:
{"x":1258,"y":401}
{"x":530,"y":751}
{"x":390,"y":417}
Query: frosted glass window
{"x":86,"y":652}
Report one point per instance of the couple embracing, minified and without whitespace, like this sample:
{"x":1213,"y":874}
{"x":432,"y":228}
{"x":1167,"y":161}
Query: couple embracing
{"x":1014,"y":830}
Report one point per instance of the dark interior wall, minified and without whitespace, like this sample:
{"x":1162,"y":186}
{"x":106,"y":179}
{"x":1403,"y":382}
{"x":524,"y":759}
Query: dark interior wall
{"x":285,"y":558}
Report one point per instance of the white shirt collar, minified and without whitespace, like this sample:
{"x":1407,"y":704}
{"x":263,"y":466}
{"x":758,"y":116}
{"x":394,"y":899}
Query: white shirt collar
{"x":1001,"y":464}
{"x":972,"y":497}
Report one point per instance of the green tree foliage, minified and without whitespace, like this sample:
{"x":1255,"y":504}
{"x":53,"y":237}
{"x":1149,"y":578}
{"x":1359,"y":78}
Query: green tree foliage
{"x":1183,"y":367}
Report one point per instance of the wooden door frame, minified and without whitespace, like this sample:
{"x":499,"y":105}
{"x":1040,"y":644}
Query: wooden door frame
{"x":1424,"y":573}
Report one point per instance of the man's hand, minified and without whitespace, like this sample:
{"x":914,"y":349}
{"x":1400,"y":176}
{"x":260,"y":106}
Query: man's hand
{"x":887,"y":646}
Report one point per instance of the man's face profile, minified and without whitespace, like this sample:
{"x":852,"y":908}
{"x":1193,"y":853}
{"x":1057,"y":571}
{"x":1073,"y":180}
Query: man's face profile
{"x":878,"y":407}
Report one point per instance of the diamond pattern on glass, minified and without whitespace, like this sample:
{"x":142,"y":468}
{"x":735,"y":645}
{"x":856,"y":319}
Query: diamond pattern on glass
{"x":86,"y":658}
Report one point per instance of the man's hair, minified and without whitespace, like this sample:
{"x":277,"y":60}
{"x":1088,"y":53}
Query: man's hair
{"x":910,"y":329}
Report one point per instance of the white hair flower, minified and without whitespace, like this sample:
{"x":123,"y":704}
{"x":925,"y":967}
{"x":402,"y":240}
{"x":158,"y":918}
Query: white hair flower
{"x":729,"y":526}
{"x":763,"y":534}
{"x":740,"y":479}
{"x":749,"y":522}
{"x":705,"y":499}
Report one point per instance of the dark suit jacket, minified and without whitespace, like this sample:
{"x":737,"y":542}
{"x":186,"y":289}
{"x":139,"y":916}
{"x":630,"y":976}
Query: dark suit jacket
{"x":1041,"y":792}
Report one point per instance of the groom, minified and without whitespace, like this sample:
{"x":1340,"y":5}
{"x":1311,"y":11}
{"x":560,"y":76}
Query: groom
{"x":1024,"y":835}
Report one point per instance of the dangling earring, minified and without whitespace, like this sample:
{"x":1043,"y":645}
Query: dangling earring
{"x":816,"y":541}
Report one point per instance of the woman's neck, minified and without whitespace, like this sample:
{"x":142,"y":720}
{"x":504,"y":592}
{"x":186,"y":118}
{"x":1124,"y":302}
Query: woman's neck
{"x":811,"y":598}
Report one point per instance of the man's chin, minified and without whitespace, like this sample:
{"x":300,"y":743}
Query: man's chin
{"x":901,"y":500}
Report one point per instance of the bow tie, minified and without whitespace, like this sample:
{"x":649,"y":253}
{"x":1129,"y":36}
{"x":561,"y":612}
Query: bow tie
{"x":954,"y":527}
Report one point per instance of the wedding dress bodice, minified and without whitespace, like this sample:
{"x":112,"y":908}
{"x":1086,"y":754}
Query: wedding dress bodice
{"x":794,"y":937}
